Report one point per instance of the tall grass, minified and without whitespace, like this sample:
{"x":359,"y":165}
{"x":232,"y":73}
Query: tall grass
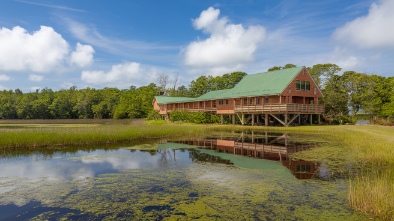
{"x":373,"y":194}
{"x":55,"y":136}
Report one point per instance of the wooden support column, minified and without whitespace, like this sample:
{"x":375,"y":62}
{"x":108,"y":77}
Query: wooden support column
{"x":233,"y":118}
{"x":318,"y":119}
{"x":258,"y":119}
{"x":243,"y":119}
{"x":299,"y":119}
{"x":286,"y":120}
{"x":252,"y":119}
{"x":221,"y":119}
{"x":266,"y":119}
{"x":310,"y":119}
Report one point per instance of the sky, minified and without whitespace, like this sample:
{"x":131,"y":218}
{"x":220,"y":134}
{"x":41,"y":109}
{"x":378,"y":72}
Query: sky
{"x":60,"y":44}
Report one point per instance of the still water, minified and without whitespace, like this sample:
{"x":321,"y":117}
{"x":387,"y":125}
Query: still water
{"x":225,"y":177}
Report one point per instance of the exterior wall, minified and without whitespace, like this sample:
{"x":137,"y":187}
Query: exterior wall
{"x":225,"y":108}
{"x":161,"y":108}
{"x":290,"y":92}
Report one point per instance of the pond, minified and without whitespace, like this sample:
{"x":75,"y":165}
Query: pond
{"x":227,"y":176}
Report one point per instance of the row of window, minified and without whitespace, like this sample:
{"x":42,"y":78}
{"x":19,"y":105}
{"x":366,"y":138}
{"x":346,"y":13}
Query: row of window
{"x":223,"y":102}
{"x":303,"y":85}
{"x":250,"y":101}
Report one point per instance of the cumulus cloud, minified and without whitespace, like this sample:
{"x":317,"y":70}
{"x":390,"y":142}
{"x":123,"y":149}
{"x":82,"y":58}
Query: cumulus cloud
{"x":4,"y":77}
{"x":228,"y":46}
{"x":35,"y":78}
{"x":374,"y":30}
{"x":40,"y":51}
{"x":122,"y":75}
{"x":82,"y":56}
{"x":34,"y":88}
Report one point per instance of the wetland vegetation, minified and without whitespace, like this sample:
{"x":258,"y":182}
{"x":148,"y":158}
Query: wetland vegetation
{"x":360,"y":159}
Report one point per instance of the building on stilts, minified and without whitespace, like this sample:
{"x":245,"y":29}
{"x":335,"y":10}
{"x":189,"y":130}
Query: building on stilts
{"x":283,"y":97}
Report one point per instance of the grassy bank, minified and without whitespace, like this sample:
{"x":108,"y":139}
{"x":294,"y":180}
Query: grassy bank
{"x":54,"y":134}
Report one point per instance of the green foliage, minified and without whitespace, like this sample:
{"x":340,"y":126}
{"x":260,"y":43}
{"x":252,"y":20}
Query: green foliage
{"x":204,"y":84}
{"x":154,"y":115}
{"x":86,"y":103}
{"x":194,"y":117}
{"x":275,"y":68}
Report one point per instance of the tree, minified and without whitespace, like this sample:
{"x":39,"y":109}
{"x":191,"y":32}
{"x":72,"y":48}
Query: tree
{"x":322,"y":72}
{"x":275,"y":68}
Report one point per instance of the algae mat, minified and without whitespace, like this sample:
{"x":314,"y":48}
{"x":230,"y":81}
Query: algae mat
{"x":171,"y":186}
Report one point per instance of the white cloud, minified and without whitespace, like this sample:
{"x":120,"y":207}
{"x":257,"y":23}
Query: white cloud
{"x":121,"y":75}
{"x":66,"y":85}
{"x":374,"y":30}
{"x":34,"y":88}
{"x":40,"y":51}
{"x":2,"y":88}
{"x":4,"y":77}
{"x":82,"y":56}
{"x":36,"y":78}
{"x":228,"y":47}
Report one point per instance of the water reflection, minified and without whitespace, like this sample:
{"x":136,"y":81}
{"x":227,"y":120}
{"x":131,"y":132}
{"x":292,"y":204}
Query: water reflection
{"x":85,"y":164}
{"x":263,"y":146}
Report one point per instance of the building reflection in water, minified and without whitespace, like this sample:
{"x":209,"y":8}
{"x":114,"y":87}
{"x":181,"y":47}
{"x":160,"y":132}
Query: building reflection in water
{"x":277,"y":148}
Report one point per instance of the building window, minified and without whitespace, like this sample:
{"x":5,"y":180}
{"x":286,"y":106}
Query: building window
{"x":245,"y":101}
{"x":266,"y":100}
{"x":258,"y":100}
{"x":220,"y":102}
{"x":303,"y":85}
{"x":226,"y":101}
{"x":251,"y":101}
{"x":303,"y":168}
{"x":307,"y":86}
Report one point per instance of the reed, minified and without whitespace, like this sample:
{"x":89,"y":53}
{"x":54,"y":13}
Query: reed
{"x":87,"y":135}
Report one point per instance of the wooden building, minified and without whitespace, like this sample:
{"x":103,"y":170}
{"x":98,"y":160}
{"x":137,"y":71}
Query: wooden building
{"x":288,"y":96}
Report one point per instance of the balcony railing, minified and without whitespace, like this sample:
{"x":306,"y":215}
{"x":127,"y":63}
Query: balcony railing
{"x":281,"y":108}
{"x":264,"y":108}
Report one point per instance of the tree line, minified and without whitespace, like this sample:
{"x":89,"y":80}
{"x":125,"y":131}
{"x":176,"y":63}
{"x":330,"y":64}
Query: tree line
{"x":345,"y":94}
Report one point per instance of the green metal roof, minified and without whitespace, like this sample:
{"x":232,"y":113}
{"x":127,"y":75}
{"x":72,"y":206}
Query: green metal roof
{"x":212,"y":95}
{"x":267,"y":83}
{"x":166,"y":100}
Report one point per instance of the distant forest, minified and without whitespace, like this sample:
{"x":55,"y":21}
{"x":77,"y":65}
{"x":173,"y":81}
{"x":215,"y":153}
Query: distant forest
{"x":344,"y":94}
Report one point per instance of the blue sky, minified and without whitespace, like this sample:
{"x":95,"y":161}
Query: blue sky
{"x":58,"y":44}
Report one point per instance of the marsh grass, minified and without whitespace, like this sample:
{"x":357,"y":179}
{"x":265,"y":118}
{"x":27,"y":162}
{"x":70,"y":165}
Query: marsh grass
{"x":50,"y":136}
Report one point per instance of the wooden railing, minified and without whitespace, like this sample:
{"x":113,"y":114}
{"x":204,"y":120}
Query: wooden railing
{"x":281,"y":108}
{"x":264,"y":108}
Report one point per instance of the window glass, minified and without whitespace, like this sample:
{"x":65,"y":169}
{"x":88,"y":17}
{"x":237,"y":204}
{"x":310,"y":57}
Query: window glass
{"x":307,"y":86}
{"x":298,"y":85}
